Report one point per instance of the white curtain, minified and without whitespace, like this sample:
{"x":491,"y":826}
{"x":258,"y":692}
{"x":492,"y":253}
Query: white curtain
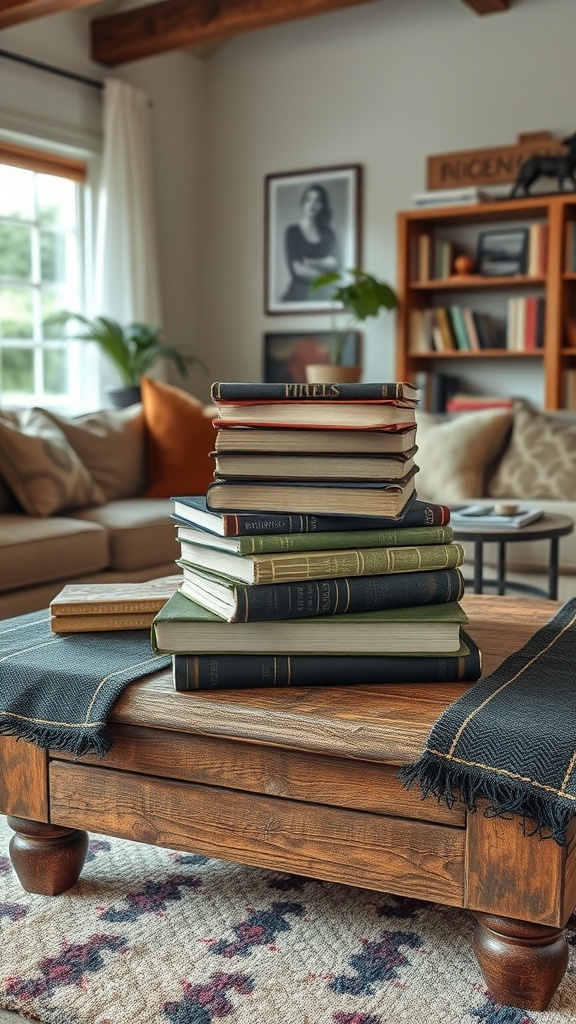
{"x":127,"y":285}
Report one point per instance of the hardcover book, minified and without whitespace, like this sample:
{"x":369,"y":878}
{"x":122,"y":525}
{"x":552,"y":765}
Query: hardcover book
{"x":406,"y":537}
{"x":249,"y":671}
{"x":481,"y":516}
{"x":237,"y":602}
{"x":101,"y":623}
{"x":314,"y":466}
{"x":183,"y":627}
{"x":223,"y":391}
{"x":351,"y":442}
{"x":368,"y":415}
{"x":320,"y":498}
{"x":193,"y":510}
{"x":291,"y":566}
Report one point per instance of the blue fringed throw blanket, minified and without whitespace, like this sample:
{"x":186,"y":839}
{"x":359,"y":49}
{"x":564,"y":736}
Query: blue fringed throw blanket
{"x":57,"y":690}
{"x":511,"y":738}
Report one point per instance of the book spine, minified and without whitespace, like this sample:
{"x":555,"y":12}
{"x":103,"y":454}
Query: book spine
{"x":311,"y":598}
{"x":419,"y":513}
{"x":361,"y":562}
{"x":248,"y":392}
{"x":93,"y":608}
{"x":247,"y":671}
{"x":416,"y":535}
{"x":99,"y":623}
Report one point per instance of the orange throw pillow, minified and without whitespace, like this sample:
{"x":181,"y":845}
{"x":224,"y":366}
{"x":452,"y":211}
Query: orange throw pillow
{"x":179,"y":437}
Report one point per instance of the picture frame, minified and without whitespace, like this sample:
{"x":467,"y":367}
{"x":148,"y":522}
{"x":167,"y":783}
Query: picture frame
{"x":288,"y":353}
{"x":502,"y":252}
{"x":312,"y":225}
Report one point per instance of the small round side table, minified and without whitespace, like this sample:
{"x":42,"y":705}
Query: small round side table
{"x":548,"y":527}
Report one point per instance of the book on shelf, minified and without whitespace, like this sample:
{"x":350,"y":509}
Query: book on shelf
{"x":85,"y":607}
{"x":467,"y":195}
{"x":486,"y":516}
{"x":368,"y":415}
{"x":237,"y":392}
{"x":184,"y":627}
{"x":290,"y":566}
{"x":461,"y":402}
{"x":250,"y":671}
{"x":345,"y":538}
{"x":314,"y":466}
{"x":192,"y":509}
{"x":354,"y":442}
{"x":319,"y":498}
{"x":238,"y":602}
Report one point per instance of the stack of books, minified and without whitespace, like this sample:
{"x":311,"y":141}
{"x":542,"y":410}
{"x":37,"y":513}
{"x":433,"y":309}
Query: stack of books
{"x":357,"y":583}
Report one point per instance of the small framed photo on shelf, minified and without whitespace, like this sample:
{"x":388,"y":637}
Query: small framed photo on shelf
{"x":312,"y":227}
{"x":286,"y":354}
{"x":502,"y":253}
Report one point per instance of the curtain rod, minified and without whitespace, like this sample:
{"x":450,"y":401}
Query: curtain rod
{"x":94,"y":83}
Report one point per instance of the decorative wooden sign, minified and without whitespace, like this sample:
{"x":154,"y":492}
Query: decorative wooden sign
{"x":495,"y":166}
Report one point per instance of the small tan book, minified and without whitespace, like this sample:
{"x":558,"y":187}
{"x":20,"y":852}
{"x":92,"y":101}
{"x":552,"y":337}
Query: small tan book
{"x":93,"y":607}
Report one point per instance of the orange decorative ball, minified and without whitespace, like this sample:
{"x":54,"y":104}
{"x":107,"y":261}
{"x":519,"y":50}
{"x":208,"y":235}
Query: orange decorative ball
{"x":463,"y":265}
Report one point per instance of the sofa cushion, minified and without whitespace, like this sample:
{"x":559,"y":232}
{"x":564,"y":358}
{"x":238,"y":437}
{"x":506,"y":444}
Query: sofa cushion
{"x":41,"y":468}
{"x":140,"y":531}
{"x":35,"y":550}
{"x":110,"y":443}
{"x":455,"y":454}
{"x":179,"y":438}
{"x":540,"y":461}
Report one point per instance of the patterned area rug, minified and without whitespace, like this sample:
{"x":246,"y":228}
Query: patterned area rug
{"x":153,"y":936}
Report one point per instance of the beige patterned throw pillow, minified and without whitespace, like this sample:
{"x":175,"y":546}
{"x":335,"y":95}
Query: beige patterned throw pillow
{"x":40,"y":467}
{"x":111,"y":444}
{"x":456,"y":454}
{"x":540,"y":461}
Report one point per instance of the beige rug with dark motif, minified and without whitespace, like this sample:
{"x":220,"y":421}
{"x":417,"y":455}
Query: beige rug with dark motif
{"x":150,"y":936}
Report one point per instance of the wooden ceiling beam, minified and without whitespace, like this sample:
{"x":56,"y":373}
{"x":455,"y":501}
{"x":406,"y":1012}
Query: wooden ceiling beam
{"x":182,"y":24}
{"x":13,"y":12}
{"x":488,"y":6}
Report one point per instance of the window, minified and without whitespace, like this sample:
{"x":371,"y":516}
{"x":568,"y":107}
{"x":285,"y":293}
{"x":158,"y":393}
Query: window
{"x":41,"y":273}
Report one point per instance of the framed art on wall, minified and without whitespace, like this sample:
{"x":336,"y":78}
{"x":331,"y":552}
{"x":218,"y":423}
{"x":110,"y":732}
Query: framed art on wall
{"x":312,"y":227}
{"x":286,"y":354}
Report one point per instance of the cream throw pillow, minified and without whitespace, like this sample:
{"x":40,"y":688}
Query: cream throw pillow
{"x":111,"y":444}
{"x":540,"y":461}
{"x":455,"y":455}
{"x":39,"y":466}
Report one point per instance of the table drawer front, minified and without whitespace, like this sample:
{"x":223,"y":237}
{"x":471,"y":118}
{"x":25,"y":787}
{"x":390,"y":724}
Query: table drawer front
{"x":376,"y":852}
{"x":272,"y":771}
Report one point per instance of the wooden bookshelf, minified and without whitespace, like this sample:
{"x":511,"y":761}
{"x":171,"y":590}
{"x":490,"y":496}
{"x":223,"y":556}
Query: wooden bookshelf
{"x":554,"y":284}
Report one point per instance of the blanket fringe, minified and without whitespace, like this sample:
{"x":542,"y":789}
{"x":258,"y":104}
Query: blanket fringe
{"x":449,"y":784}
{"x":76,"y":741}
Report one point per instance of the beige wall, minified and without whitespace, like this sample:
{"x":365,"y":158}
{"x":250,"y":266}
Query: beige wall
{"x":382,"y":85}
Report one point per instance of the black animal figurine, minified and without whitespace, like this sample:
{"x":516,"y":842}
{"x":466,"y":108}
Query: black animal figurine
{"x":560,"y":167}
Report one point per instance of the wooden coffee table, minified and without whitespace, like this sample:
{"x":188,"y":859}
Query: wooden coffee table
{"x":305,"y":781}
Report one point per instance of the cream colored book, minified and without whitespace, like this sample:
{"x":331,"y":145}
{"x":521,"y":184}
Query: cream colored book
{"x":89,"y":607}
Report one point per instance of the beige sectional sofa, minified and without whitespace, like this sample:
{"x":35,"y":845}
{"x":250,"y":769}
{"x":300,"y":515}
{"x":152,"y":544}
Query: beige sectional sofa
{"x":519,"y":454}
{"x":88,"y":499}
{"x":73,"y":504}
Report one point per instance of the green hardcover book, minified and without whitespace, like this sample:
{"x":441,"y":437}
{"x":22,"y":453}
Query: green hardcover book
{"x":240,"y":602}
{"x":411,"y":536}
{"x":250,"y":671}
{"x":184,"y":627}
{"x":302,"y":565}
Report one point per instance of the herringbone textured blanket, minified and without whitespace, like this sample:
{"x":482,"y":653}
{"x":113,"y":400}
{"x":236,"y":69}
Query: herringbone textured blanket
{"x":511,"y":738}
{"x":57,"y":690}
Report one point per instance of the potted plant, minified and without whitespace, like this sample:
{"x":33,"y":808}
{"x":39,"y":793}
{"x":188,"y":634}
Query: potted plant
{"x":132,"y":349}
{"x":362,"y":297}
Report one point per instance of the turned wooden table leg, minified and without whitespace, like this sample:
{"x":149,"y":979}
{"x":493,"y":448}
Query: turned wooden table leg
{"x":521,"y":963}
{"x":47,"y":858}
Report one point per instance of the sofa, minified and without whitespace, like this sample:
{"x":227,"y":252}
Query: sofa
{"x":88,"y":499}
{"x":520,"y":454}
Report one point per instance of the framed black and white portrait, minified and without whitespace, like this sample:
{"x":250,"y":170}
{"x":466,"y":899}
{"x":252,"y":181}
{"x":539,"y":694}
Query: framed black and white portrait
{"x":312,"y":227}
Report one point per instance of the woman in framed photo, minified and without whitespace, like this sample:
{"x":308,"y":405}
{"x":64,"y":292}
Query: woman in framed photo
{"x":310,"y":245}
